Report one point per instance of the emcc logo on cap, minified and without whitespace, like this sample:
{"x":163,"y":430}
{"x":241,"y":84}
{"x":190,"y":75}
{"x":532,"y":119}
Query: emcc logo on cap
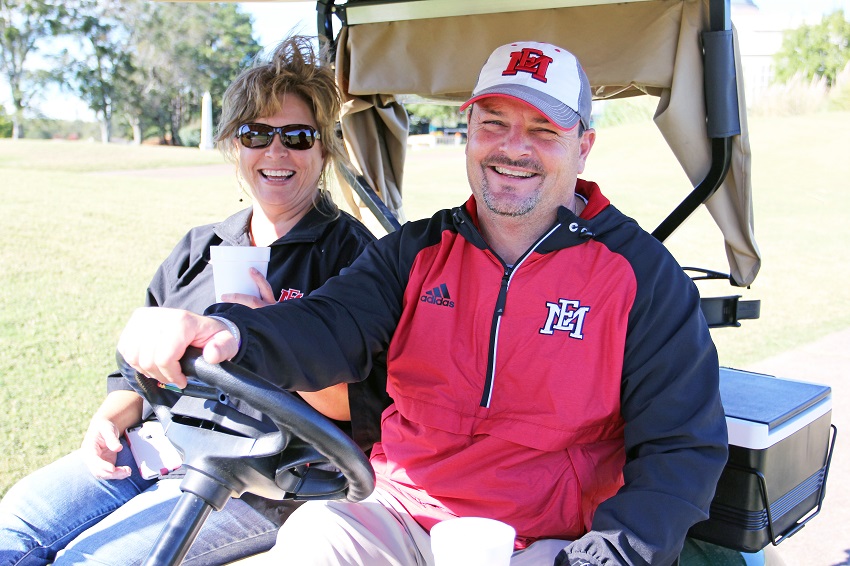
{"x":531,"y":61}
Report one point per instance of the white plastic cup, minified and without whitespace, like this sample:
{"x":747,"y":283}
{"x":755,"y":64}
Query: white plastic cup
{"x":231,"y":268}
{"x":472,"y":541}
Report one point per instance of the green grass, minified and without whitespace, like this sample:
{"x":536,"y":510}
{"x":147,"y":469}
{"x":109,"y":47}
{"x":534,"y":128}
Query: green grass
{"x":80,"y":245}
{"x":77,"y":252}
{"x":802,"y":206}
{"x":65,"y":156}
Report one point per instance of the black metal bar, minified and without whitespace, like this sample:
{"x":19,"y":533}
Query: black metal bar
{"x":705,"y":273}
{"x":721,"y":147}
{"x":325,"y":10}
{"x":721,"y":160}
{"x":179,"y":532}
{"x":777,"y":538}
{"x":720,"y":14}
{"x":361,"y":186}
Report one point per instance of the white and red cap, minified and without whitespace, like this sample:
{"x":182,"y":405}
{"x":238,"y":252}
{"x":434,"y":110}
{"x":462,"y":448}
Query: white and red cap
{"x":545,"y":76}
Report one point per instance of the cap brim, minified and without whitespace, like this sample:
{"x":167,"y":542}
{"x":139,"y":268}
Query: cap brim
{"x":559,"y":114}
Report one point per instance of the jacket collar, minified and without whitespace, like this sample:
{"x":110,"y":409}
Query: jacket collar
{"x":573,"y":229}
{"x":234,"y":230}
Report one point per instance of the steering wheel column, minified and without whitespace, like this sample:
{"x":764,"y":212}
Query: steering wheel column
{"x":302,"y":455}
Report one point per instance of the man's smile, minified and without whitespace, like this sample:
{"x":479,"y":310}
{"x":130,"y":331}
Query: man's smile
{"x":516,"y":173}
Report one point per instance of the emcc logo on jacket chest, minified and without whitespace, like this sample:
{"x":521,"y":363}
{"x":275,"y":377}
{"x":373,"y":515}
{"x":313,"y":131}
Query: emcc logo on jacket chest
{"x":567,"y":316}
{"x":438,"y":296}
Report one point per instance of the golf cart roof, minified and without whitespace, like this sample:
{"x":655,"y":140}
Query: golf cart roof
{"x":681,"y":51}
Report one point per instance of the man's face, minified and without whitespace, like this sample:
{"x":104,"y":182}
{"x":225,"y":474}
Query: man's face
{"x":518,"y":163}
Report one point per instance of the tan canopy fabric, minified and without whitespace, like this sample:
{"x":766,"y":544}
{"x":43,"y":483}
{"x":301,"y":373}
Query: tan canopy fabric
{"x":375,"y":128}
{"x":650,"y":46}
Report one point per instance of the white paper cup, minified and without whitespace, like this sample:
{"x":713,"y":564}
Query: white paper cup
{"x":472,"y":541}
{"x":231,"y":268}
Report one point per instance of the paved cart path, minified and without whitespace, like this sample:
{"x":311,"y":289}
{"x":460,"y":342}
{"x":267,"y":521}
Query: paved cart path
{"x":182,"y":172}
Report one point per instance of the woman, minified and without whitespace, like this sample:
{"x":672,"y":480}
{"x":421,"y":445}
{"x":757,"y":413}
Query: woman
{"x":277,"y":126}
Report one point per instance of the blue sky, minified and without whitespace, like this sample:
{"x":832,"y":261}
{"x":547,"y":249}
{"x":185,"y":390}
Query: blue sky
{"x":274,"y":20}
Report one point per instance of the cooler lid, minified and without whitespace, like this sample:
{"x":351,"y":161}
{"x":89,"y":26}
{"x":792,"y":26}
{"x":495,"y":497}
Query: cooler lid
{"x":765,"y":399}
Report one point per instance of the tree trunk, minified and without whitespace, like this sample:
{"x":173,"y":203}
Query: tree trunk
{"x":176,"y":120}
{"x":18,"y":124}
{"x":135,"y":122}
{"x":105,"y":130}
{"x":175,"y":131}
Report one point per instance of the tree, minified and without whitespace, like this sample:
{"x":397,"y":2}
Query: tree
{"x":149,"y":63}
{"x":23,"y":24}
{"x":5,"y":124}
{"x":815,"y":51}
{"x":101,"y":73}
{"x":186,"y":49}
{"x":143,"y":101}
{"x":434,"y":114}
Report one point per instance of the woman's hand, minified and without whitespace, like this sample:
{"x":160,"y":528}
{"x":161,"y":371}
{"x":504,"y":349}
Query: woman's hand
{"x":100,"y":448}
{"x":266,"y":294}
{"x":102,"y":443}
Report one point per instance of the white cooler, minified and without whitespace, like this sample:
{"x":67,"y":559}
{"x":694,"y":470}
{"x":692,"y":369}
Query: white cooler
{"x":779,"y":452}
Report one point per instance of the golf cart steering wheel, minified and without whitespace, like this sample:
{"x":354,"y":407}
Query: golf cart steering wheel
{"x":299,"y":455}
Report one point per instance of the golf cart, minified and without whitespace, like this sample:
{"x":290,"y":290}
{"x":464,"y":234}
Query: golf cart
{"x":681,"y":51}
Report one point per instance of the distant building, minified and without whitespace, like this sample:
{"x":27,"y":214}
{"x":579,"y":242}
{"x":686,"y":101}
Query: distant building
{"x":759,"y":38}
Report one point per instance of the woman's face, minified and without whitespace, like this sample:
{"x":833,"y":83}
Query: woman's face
{"x":282,"y":180}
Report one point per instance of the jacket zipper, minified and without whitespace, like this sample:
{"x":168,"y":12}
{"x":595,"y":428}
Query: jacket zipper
{"x":499,"y":311}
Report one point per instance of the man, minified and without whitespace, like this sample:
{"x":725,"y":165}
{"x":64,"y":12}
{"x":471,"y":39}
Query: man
{"x":547,"y":358}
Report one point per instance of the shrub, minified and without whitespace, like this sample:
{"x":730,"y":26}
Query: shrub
{"x":5,"y":124}
{"x":39,"y":127}
{"x":619,"y":111}
{"x":839,"y":94}
{"x":797,"y":96}
{"x":190,"y":135}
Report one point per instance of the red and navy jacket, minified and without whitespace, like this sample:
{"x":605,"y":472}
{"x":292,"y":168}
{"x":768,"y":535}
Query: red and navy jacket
{"x":573,"y":395}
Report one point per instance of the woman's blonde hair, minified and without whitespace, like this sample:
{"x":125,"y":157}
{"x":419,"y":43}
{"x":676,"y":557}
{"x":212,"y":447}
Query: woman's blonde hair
{"x":293,"y":67}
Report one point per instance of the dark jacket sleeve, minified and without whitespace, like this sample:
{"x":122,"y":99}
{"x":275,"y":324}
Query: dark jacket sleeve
{"x":335,"y":335}
{"x":675,"y":429}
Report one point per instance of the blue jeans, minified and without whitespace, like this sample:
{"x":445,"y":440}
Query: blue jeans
{"x":62,"y":513}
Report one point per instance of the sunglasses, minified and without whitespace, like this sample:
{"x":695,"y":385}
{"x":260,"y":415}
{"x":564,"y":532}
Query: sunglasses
{"x":293,"y":136}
